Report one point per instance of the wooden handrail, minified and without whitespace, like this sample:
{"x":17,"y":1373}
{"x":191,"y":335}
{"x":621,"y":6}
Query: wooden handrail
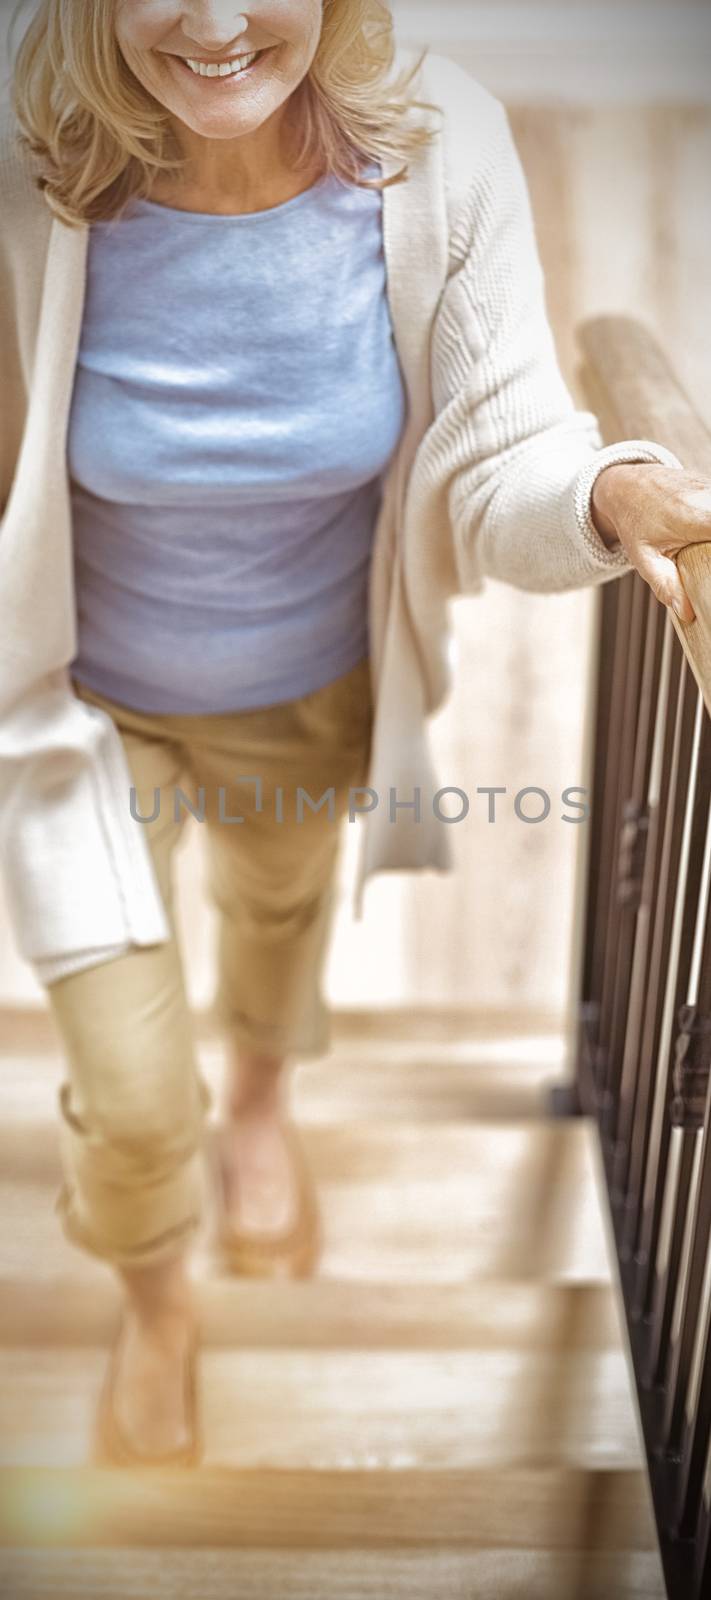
{"x":636,"y":394}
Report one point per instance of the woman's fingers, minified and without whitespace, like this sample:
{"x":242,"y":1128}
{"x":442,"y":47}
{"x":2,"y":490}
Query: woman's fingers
{"x":663,"y":576}
{"x":657,"y":512}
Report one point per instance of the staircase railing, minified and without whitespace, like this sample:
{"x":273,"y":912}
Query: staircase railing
{"x":644,"y":1044}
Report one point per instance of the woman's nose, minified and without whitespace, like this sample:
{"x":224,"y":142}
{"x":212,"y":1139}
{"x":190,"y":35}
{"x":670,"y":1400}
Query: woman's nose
{"x":214,"y":23}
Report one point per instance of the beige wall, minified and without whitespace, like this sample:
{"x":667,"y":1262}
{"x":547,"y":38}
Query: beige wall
{"x":570,"y":52}
{"x":621,"y":197}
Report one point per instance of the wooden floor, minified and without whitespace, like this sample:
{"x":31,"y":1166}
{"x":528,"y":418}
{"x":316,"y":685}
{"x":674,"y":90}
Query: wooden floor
{"x":445,"y":1411}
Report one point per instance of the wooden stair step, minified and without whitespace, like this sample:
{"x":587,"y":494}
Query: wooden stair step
{"x":410,"y":1080}
{"x":345,"y":1574}
{"x":396,"y":1409}
{"x":399,"y":1203}
{"x":385,"y":1079}
{"x":31,"y":1028}
{"x":322,"y":1313}
{"x":556,"y":1508}
{"x":370,"y":1152}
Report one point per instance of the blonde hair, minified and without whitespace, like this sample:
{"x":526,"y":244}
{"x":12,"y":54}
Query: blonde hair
{"x":101,"y":138}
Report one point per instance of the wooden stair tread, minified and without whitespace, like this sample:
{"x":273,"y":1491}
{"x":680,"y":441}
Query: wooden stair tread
{"x":330,"y":1409}
{"x":31,"y":1027}
{"x":344,"y":1574}
{"x":322,"y":1313}
{"x":400,"y":1202}
{"x":386,"y":1080}
{"x":367,"y":1150}
{"x":553,"y":1508}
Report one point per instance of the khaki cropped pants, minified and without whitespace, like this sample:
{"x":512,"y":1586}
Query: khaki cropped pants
{"x":133,"y":1101}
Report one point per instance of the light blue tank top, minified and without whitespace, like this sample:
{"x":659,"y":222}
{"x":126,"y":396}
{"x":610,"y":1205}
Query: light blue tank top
{"x":237,"y":401}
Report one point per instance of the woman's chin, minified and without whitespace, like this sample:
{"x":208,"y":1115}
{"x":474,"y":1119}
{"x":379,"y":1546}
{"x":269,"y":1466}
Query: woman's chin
{"x":217,"y":108}
{"x":217,"y":125}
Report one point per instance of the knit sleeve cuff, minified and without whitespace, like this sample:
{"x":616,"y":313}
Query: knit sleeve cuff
{"x":630,"y":450}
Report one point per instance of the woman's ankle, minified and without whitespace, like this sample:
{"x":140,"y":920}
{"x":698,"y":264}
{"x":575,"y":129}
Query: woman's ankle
{"x":159,"y":1294}
{"x":255,"y":1082}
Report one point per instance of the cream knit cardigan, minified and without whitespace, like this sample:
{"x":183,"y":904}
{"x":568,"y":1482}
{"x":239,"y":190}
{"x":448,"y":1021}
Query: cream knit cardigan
{"x":492,"y":476}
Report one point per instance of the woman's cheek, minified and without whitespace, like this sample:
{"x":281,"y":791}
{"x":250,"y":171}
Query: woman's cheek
{"x":299,"y":25}
{"x":143,"y":24}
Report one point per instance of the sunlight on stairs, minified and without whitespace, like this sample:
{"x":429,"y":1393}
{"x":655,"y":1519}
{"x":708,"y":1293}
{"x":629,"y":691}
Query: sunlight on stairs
{"x":444,"y":1413}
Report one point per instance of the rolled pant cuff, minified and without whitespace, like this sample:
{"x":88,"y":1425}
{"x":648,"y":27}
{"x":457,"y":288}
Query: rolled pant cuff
{"x":172,"y":1242}
{"x":273,"y":1038}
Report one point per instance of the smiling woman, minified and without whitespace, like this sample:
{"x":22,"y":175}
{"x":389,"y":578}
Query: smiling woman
{"x":150,"y":89}
{"x":283,"y":386}
{"x":229,"y":431}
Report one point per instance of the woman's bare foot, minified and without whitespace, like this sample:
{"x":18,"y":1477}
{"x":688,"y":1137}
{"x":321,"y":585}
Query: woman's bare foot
{"x":150,"y":1387}
{"x":260,"y":1188}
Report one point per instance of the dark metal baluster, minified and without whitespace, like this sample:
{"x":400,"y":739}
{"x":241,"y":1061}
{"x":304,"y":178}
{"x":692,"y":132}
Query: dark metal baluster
{"x":675,"y":800}
{"x":667,"y":1282}
{"x":599,"y":876}
{"x":631,"y":863}
{"x":702,"y":1563}
{"x":632,"y":795}
{"x":582,"y":1095}
{"x":650,"y":1290}
{"x":638,"y":988}
{"x":619,"y":754}
{"x":683,"y":1439}
{"x":697,"y":1416}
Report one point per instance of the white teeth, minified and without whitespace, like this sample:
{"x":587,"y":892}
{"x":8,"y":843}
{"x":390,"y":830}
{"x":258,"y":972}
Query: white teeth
{"x":222,"y":69}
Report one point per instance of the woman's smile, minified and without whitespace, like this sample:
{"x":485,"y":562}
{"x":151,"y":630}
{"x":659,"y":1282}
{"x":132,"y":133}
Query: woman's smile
{"x":222,"y":72}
